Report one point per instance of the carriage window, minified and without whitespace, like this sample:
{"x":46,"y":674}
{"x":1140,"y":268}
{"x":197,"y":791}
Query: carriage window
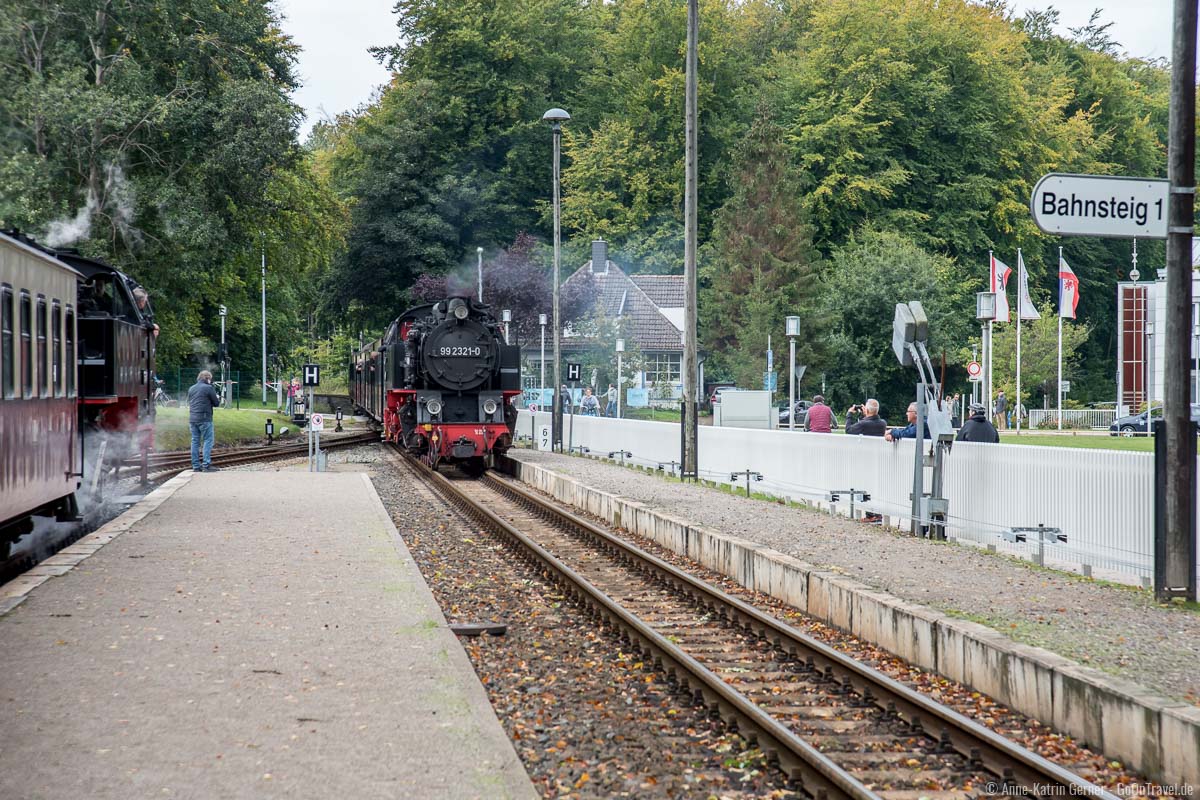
{"x":26,"y":345}
{"x":69,"y":362}
{"x":56,"y":347}
{"x":7,"y":353}
{"x":43,"y":372}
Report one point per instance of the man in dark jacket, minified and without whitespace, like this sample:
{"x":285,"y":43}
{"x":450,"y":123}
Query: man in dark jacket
{"x":977,"y":428}
{"x":202,"y":399}
{"x":870,"y":425}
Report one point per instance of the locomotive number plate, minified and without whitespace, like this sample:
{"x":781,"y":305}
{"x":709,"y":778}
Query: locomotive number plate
{"x":470,"y":352}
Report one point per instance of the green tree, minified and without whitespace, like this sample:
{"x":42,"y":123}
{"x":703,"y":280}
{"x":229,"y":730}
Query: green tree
{"x":761,"y":265}
{"x":1039,"y":355}
{"x":867,"y":277}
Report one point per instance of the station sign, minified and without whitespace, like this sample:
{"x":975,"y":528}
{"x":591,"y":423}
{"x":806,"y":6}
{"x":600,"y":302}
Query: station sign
{"x":1100,"y":205}
{"x":312,"y":374}
{"x":574,"y":370}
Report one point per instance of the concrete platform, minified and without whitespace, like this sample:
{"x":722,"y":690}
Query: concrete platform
{"x":242,"y":634}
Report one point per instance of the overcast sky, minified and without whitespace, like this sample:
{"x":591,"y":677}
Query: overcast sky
{"x":338,"y":73}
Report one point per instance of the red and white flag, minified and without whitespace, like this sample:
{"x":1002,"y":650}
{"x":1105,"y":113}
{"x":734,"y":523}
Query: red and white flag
{"x":1025,"y":307}
{"x":1068,"y":290}
{"x":1000,"y":276}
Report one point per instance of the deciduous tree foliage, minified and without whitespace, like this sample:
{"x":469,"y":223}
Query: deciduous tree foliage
{"x":160,"y":135}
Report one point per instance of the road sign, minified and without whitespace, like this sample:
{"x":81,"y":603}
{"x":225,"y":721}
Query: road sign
{"x":573,"y":371}
{"x":316,"y":422}
{"x":312,"y":374}
{"x":975,"y":371}
{"x":1100,"y":205}
{"x":1066,"y":386}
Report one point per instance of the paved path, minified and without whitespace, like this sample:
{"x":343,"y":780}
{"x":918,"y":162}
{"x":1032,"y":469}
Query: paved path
{"x":256,"y":635}
{"x":1117,"y":629}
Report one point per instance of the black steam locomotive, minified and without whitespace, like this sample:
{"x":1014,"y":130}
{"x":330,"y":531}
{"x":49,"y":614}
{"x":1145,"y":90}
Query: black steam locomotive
{"x":442,"y":380}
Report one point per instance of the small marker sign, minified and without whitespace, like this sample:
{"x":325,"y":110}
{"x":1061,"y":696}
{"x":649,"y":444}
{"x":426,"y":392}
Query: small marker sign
{"x":316,"y":422}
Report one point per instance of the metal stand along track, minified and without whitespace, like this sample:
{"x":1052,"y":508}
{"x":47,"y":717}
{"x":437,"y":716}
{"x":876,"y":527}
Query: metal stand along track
{"x":975,"y":760}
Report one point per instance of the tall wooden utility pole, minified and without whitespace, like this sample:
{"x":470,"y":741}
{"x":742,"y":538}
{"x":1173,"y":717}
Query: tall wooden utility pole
{"x":1181,"y":151}
{"x":691,"y":392}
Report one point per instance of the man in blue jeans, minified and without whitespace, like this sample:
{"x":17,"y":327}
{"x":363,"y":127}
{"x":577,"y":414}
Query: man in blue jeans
{"x":202,"y":399}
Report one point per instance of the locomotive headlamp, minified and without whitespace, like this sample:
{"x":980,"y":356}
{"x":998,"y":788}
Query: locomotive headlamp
{"x":434,"y":407}
{"x":458,"y":309}
{"x":489,"y":406}
{"x":460,"y":312}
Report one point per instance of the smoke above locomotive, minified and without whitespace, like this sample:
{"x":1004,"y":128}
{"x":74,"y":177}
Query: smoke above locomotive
{"x":442,"y":382}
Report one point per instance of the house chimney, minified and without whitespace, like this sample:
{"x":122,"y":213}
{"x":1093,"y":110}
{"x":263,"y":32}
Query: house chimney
{"x":599,"y":256}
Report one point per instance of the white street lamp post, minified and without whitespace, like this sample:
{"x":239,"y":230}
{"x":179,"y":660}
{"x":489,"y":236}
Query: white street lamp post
{"x":264,"y":318}
{"x":555,"y":118}
{"x":793,"y":330}
{"x":620,"y":352}
{"x":985,"y":314}
{"x":224,"y":357}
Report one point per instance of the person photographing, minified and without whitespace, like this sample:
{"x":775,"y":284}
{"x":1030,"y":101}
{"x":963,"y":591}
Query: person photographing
{"x":864,"y":420}
{"x":202,"y":399}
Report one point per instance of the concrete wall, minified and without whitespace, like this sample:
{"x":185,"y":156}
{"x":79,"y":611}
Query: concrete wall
{"x":1155,"y":735}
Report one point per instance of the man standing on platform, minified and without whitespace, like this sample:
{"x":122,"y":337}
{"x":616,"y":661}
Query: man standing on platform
{"x":202,"y":399}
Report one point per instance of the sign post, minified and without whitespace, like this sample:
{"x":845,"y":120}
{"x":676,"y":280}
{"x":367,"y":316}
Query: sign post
{"x":574,"y":370}
{"x":316,"y":424}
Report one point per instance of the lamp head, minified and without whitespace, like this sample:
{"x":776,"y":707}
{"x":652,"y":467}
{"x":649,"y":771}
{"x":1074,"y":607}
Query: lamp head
{"x":985,"y":306}
{"x":506,"y":316}
{"x":541,"y":319}
{"x":793,"y":326}
{"x":620,"y":345}
{"x":479,"y":250}
{"x":555,"y":117}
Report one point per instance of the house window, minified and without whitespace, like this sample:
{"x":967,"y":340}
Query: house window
{"x":663,"y":368}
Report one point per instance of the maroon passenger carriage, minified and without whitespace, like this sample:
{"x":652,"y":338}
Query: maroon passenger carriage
{"x":76,"y":359}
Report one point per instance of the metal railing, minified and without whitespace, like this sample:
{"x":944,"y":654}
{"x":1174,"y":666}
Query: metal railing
{"x":1072,"y":418}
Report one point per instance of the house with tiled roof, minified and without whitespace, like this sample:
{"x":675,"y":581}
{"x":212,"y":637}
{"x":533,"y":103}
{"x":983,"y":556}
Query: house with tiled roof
{"x":653,"y":305}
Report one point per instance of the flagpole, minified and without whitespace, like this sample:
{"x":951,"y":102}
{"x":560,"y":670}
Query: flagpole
{"x":1020,"y":285}
{"x":987,"y":346}
{"x":1060,"y":316}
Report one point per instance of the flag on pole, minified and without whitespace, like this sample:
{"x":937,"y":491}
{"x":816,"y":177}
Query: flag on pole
{"x":1025,"y":306}
{"x":1068,"y":290}
{"x":1000,"y":275}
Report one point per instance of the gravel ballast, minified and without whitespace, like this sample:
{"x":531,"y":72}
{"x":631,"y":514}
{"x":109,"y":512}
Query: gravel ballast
{"x":1116,"y":629}
{"x":586,"y":718}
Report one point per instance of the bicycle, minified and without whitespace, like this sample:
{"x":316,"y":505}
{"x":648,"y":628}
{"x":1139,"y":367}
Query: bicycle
{"x":161,"y":398}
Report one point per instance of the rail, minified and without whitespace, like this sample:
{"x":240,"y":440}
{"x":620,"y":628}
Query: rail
{"x":947,"y":731}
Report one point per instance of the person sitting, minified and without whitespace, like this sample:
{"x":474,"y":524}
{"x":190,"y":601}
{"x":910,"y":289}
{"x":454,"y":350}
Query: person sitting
{"x":909,"y":431}
{"x":977,"y":428}
{"x":871,"y":423}
{"x":819,"y":418}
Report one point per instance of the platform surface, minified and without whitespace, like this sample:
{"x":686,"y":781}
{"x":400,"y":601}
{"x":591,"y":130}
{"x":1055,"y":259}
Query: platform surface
{"x":257,"y":634}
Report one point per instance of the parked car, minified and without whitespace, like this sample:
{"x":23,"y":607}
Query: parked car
{"x":715,"y":395}
{"x":802,"y":407}
{"x":1135,"y":424}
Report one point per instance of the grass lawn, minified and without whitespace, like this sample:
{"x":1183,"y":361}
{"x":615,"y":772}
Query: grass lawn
{"x":231,"y":426}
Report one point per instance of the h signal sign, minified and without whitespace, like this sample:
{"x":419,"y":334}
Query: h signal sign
{"x":312,"y":374}
{"x":573,"y":371}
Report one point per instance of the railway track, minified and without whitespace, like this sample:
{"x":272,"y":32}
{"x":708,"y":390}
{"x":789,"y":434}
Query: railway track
{"x":836,"y":727}
{"x":162,"y":466}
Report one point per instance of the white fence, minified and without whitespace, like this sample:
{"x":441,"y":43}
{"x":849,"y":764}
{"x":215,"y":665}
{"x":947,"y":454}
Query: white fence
{"x":1101,"y":499}
{"x":1077,"y":418}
